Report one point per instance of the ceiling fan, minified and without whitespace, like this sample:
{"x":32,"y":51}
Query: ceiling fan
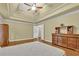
{"x":34,"y":7}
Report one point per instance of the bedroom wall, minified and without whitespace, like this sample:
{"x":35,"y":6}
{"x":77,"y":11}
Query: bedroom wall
{"x":67,"y":19}
{"x":19,"y":30}
{"x":1,"y":21}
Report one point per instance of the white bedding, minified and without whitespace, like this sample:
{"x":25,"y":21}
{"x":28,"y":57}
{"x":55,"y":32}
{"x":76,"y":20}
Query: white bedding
{"x":31,"y":49}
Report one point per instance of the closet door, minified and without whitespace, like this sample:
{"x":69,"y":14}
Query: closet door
{"x":1,"y":33}
{"x":5,"y":29}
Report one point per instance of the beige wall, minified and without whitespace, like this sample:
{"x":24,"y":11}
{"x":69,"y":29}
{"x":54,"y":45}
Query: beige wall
{"x":19,"y":30}
{"x":67,"y":19}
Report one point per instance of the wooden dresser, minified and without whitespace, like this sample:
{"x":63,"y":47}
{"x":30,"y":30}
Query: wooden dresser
{"x":4,"y":32}
{"x":66,"y":40}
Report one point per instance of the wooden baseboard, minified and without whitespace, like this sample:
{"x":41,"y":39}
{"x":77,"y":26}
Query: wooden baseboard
{"x":49,"y":43}
{"x":12,"y":43}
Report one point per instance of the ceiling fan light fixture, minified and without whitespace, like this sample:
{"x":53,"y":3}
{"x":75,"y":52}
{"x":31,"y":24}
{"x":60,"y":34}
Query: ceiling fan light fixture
{"x":33,"y":8}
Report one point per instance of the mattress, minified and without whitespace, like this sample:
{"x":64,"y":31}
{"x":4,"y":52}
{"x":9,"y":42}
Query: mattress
{"x":31,"y":49}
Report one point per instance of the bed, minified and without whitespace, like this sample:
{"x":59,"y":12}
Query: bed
{"x":31,"y":49}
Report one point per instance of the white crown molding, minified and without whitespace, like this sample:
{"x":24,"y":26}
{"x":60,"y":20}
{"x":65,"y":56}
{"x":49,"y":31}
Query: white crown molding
{"x":19,"y":19}
{"x":48,"y":12}
{"x":60,"y":10}
{"x":65,"y":11}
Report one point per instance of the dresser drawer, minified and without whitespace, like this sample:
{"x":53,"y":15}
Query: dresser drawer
{"x":72,"y":40}
{"x":72,"y":43}
{"x":78,"y":43}
{"x":54,"y":42}
{"x":72,"y":46}
{"x":64,"y":41}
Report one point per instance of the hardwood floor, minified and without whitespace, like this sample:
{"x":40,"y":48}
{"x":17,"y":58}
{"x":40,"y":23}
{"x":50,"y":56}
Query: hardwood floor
{"x":69,"y":52}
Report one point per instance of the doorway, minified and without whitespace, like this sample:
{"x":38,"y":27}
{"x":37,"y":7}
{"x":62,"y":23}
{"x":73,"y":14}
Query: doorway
{"x":38,"y":32}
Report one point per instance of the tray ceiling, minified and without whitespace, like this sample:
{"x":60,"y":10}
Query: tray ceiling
{"x":20,"y":11}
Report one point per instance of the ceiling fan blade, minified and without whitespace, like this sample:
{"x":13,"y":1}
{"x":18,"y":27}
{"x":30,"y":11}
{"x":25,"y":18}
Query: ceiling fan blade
{"x":27,"y":4}
{"x":39,"y":7}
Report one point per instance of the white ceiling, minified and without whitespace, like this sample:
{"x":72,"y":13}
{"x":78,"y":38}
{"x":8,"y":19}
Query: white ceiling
{"x":18,"y":11}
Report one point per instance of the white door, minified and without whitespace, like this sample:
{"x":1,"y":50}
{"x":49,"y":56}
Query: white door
{"x":35,"y":32}
{"x":38,"y":31}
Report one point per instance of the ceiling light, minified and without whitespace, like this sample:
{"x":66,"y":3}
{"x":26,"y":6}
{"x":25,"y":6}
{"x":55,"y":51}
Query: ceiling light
{"x":34,"y":7}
